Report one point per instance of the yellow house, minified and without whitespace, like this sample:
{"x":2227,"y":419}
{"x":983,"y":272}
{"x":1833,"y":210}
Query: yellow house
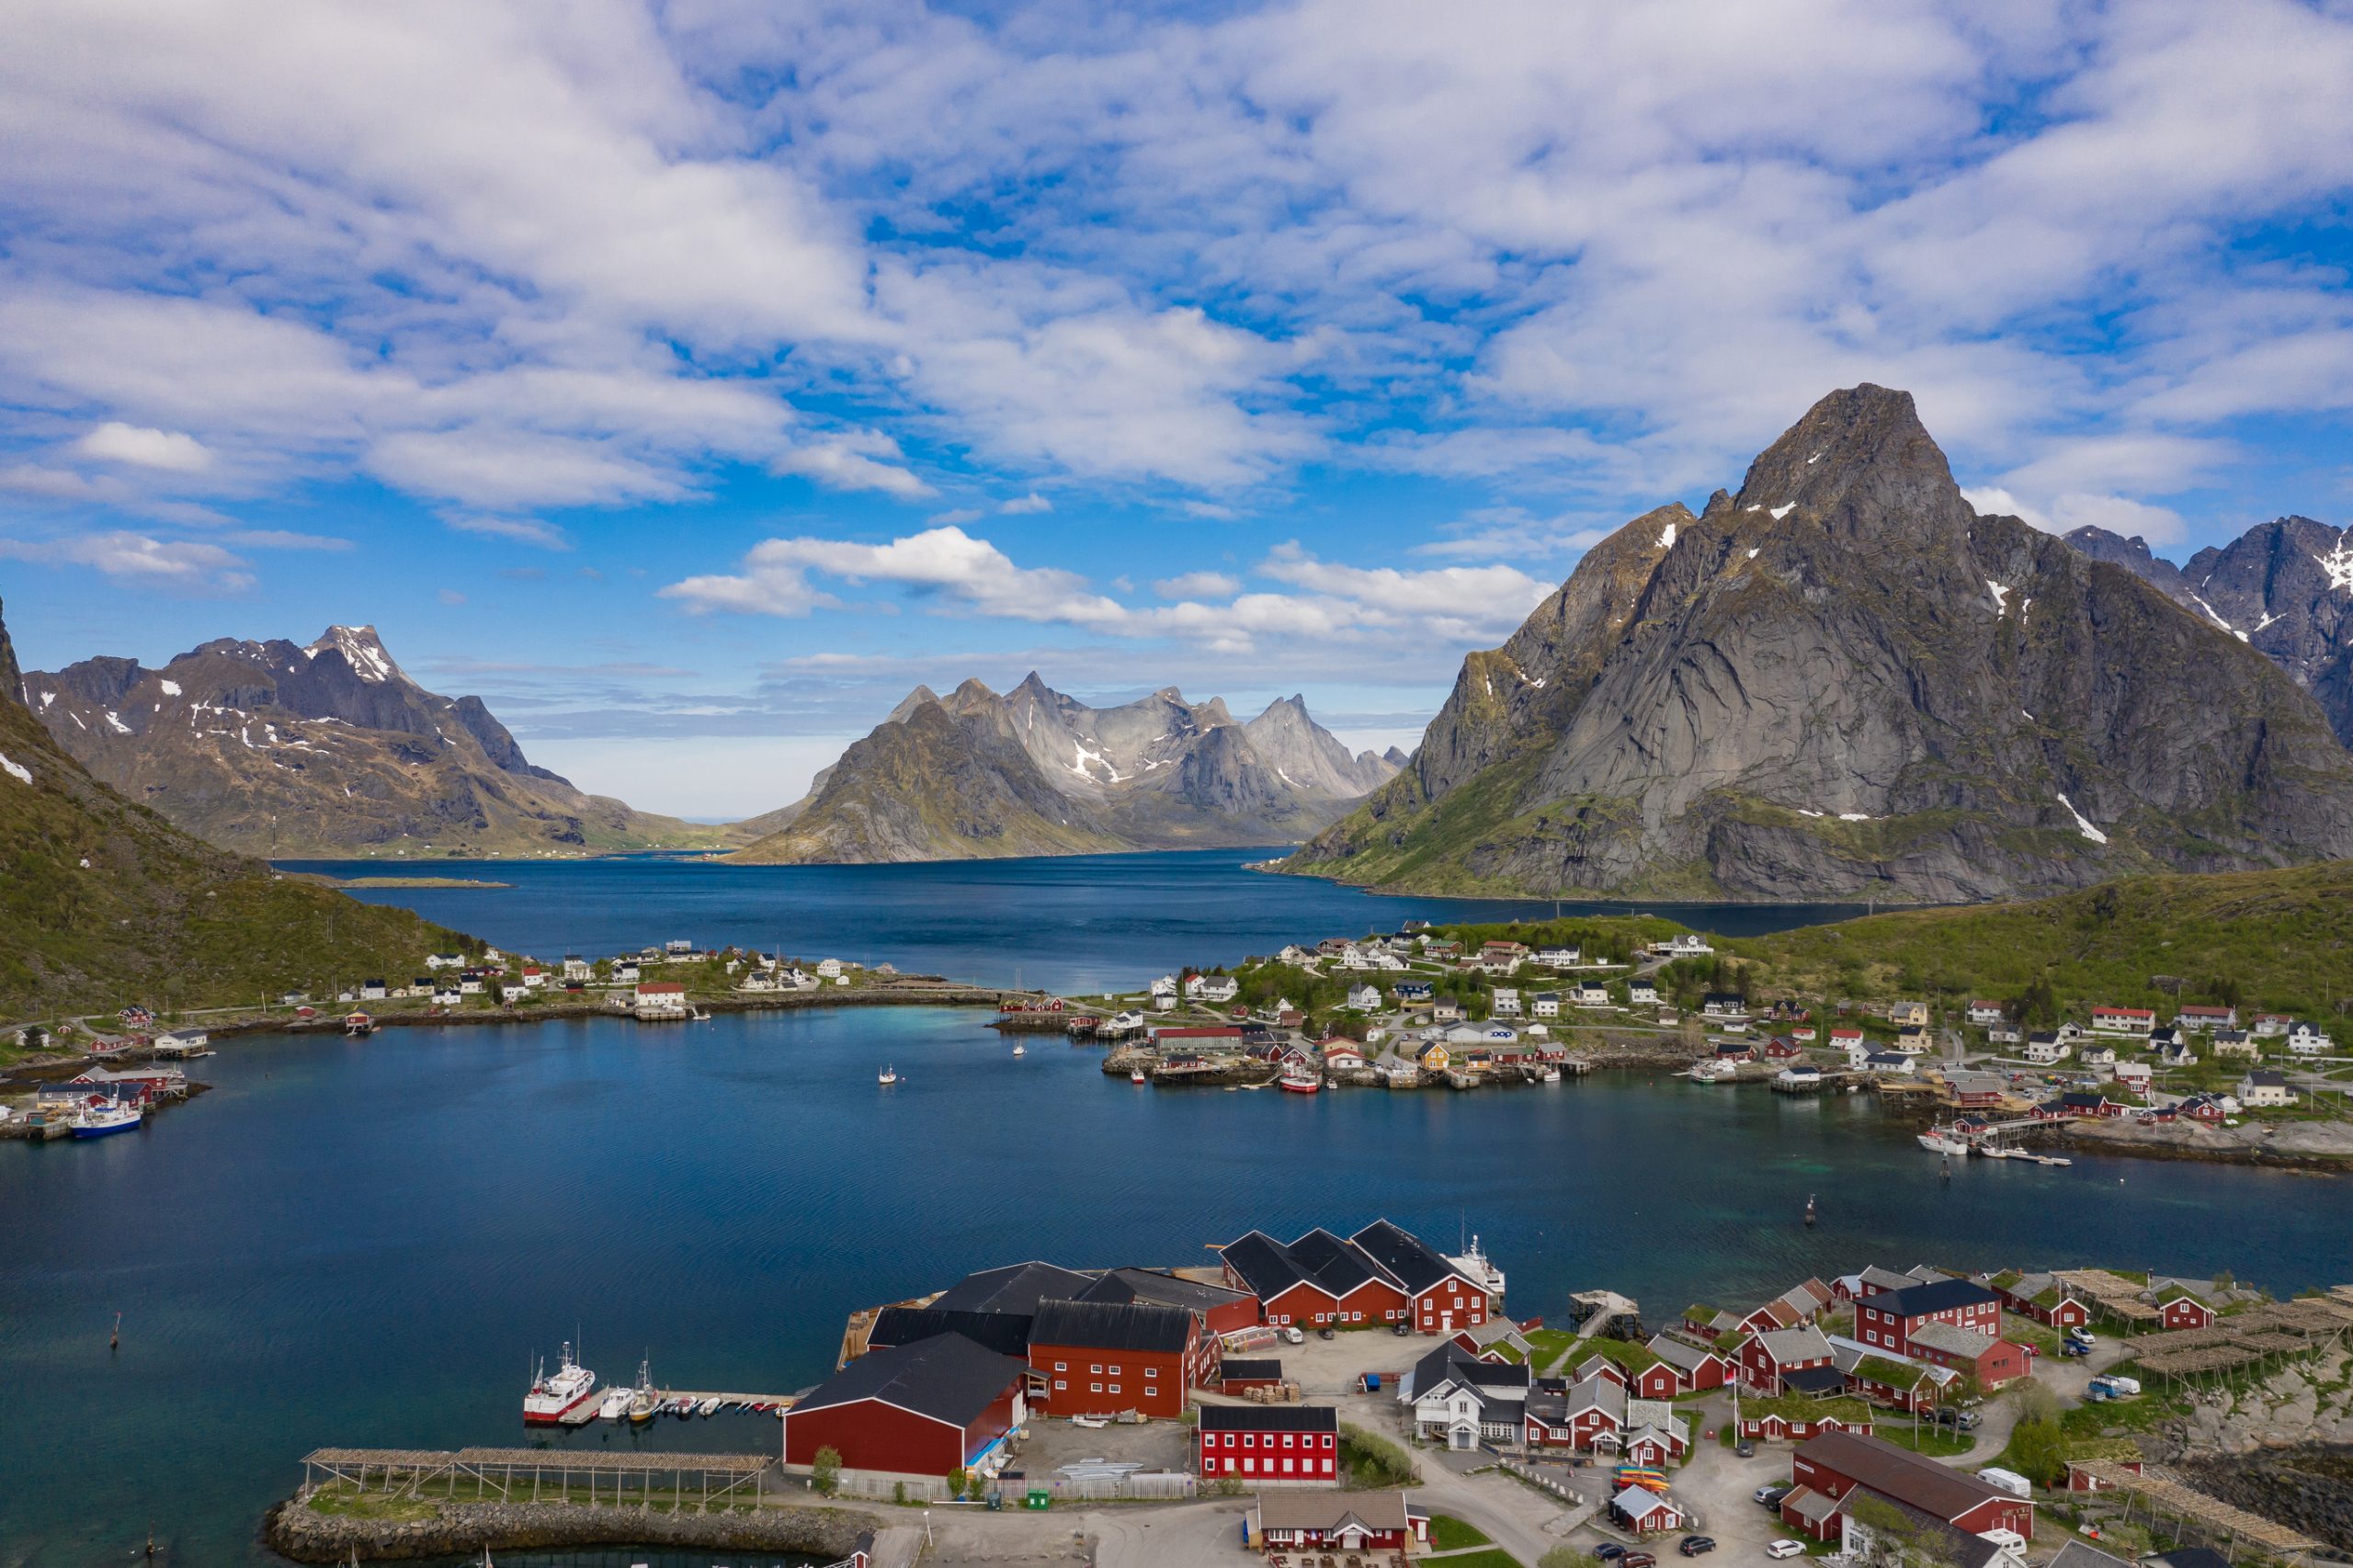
{"x":1435,"y":1058}
{"x":1912,"y":1014}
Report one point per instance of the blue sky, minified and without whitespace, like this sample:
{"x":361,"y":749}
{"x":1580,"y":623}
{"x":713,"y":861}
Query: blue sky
{"x":692,"y":380}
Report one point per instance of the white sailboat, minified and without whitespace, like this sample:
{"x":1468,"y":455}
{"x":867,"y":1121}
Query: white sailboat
{"x":888,"y":1076}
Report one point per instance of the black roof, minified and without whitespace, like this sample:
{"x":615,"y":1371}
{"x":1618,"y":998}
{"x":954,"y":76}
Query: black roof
{"x":2186,"y":1557}
{"x":1153,"y":1285}
{"x":1112,"y":1326}
{"x":1255,"y":1370}
{"x":1269,"y":1417}
{"x":1014,"y":1288}
{"x":1331,"y":1262}
{"x":1451,"y":1360}
{"x":1263,"y":1264}
{"x":1935,"y":1296}
{"x":1413,"y":1262}
{"x":946,"y":1377}
{"x":1008,"y":1333}
{"x":1817,"y":1379}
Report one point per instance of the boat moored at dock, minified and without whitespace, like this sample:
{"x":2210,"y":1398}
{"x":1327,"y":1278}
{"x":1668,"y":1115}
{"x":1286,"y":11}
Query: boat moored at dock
{"x":97,"y":1122}
{"x":553,"y":1397}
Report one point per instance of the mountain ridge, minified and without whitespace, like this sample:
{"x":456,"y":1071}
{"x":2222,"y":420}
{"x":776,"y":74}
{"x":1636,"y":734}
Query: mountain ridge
{"x":329,"y":748}
{"x":1032,"y":771}
{"x":1842,"y":682}
{"x":104,"y":902}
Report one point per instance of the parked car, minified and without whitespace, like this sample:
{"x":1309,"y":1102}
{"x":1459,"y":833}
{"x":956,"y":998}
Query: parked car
{"x":1956,"y":1418}
{"x":1294,"y":1336}
{"x":1610,"y":1551}
{"x":2071,"y":1349}
{"x":1771,"y":1493}
{"x":1744,"y":1449}
{"x":2083,"y":1337}
{"x":1401,"y":1330}
{"x":1325,"y":1333}
{"x":1784,"y":1547}
{"x":1638,"y":1560}
{"x":1694,"y":1544}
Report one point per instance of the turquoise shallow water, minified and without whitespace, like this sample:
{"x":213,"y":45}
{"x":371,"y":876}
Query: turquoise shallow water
{"x":364,"y":1243}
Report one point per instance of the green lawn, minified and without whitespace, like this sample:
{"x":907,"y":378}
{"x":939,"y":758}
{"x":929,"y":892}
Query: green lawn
{"x":1549,"y":1345}
{"x":1449,"y":1534}
{"x":1626,"y":1354}
{"x":1494,"y":1557}
{"x":1937,"y":1442}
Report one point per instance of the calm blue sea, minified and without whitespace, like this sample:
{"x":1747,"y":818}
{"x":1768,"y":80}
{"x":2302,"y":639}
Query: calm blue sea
{"x":1074,"y":924}
{"x":366,"y":1243}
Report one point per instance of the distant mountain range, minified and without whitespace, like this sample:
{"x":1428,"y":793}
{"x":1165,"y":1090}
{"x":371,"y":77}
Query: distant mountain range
{"x":104,"y":902}
{"x":1842,"y":682}
{"x":326,"y":749}
{"x":2283,"y":587}
{"x":1033,"y":772}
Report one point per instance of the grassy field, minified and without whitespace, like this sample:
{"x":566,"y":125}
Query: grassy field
{"x":1451,"y":1534}
{"x":2273,"y":940}
{"x":1495,"y":1557}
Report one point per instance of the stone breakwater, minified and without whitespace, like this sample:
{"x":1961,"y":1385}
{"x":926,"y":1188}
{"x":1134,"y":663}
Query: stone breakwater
{"x":296,"y":1530}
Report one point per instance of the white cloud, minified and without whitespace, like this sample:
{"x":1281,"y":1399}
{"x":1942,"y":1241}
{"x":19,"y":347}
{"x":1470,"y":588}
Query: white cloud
{"x":116,"y":442}
{"x":1197,"y":585}
{"x":178,"y":564}
{"x":1033,"y":502}
{"x":972,"y":573}
{"x":522,"y":530}
{"x":449,"y":595}
{"x":2158,"y":526}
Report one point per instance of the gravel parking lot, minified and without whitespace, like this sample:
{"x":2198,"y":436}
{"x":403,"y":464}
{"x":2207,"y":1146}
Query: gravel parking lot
{"x":1155,"y":1445}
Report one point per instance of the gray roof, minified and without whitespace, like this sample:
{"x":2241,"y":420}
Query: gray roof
{"x":1406,"y":1258}
{"x":1014,"y":1288}
{"x":1804,"y":1343}
{"x":2083,"y":1554}
{"x":1952,"y":1339}
{"x":946,"y":1376}
{"x":1112,"y":1326}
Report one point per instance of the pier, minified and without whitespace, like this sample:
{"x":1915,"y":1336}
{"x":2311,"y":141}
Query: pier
{"x":533,"y":1475}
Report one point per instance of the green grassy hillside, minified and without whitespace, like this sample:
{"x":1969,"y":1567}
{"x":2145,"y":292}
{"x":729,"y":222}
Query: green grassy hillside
{"x":103,"y":904}
{"x":2280,"y":941}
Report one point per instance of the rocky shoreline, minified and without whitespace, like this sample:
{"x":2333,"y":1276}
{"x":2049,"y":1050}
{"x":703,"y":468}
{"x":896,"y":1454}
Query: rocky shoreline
{"x":2321,"y":1146}
{"x":295,"y":1530}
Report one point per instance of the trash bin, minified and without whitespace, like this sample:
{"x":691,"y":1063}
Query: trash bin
{"x":1038,"y":1498}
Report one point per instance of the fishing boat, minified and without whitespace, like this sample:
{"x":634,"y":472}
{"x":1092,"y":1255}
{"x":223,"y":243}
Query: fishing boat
{"x":1135,"y":1074}
{"x":1936,"y":1140}
{"x":1301,"y":1079}
{"x":1550,"y":1075}
{"x":888,"y":1076}
{"x":96,"y":1121}
{"x":1020,"y":1050}
{"x":615,"y":1405}
{"x":553,"y":1398}
{"x":641,"y":1402}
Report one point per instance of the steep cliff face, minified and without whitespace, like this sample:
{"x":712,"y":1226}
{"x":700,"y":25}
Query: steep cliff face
{"x":102,"y":903}
{"x":1842,"y":682}
{"x":2283,"y":587}
{"x":277,"y":748}
{"x":1036,"y":772}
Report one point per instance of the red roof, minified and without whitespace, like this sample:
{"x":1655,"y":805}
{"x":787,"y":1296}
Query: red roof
{"x":1198,"y":1031}
{"x":2124,"y":1012}
{"x":660,"y":988}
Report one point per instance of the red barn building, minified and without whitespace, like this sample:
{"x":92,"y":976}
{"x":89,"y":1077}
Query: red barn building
{"x":1887,"y":1321}
{"x":1102,"y":1358}
{"x":2182,"y":1310}
{"x":1658,"y":1380}
{"x":1439,"y":1295}
{"x":1828,"y":1470}
{"x":1270,"y":1444}
{"x":1221,"y":1310}
{"x":1988,"y":1358}
{"x":1700,"y":1367}
{"x":924,"y":1409}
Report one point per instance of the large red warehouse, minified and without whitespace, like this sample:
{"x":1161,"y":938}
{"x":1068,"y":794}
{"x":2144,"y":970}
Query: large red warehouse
{"x":927,"y":1408}
{"x":1829,"y":1469}
{"x":1102,"y":1358}
{"x":1271,"y":1445}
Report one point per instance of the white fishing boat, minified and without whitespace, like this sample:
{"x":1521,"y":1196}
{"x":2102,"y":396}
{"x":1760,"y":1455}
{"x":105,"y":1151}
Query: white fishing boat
{"x":888,"y":1076}
{"x":615,"y":1405}
{"x":1551,"y":1075}
{"x":96,"y":1121}
{"x":1937,"y":1142}
{"x":1020,"y":1050}
{"x":554,"y":1397}
{"x":1135,"y":1076}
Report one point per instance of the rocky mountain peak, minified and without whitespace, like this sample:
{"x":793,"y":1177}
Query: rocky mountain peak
{"x":974,"y":692}
{"x":1861,"y":461}
{"x":363,"y":651}
{"x":921,"y":696}
{"x":12,"y":678}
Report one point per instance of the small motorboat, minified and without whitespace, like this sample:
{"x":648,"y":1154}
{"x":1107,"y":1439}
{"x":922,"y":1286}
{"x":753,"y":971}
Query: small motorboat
{"x":615,"y":1405}
{"x":1020,"y":1050}
{"x":1135,"y":1076}
{"x":888,"y":1076}
{"x":709,"y":1406}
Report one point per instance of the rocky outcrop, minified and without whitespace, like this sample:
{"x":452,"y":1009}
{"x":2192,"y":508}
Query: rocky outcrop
{"x":1035,"y":772}
{"x":297,"y":1530}
{"x":1842,"y":682}
{"x":2285,"y":588}
{"x":329,"y":748}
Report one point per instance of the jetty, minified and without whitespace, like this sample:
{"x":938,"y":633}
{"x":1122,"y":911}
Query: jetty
{"x":533,"y":1475}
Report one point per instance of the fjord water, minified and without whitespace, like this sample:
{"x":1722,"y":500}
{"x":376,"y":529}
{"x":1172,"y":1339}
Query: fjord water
{"x":363,"y":1244}
{"x":1077,"y":923}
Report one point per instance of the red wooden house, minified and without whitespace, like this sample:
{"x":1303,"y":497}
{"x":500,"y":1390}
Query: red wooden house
{"x":2180,"y":1309}
{"x":1353,"y":1522}
{"x":1700,"y":1367}
{"x":1766,"y":1360}
{"x":1270,"y":1444}
{"x":1887,"y":1321}
{"x":1829,"y":1469}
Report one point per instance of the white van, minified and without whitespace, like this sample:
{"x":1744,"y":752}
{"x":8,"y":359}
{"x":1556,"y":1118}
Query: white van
{"x":2121,"y":1384}
{"x":2008,"y":1481}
